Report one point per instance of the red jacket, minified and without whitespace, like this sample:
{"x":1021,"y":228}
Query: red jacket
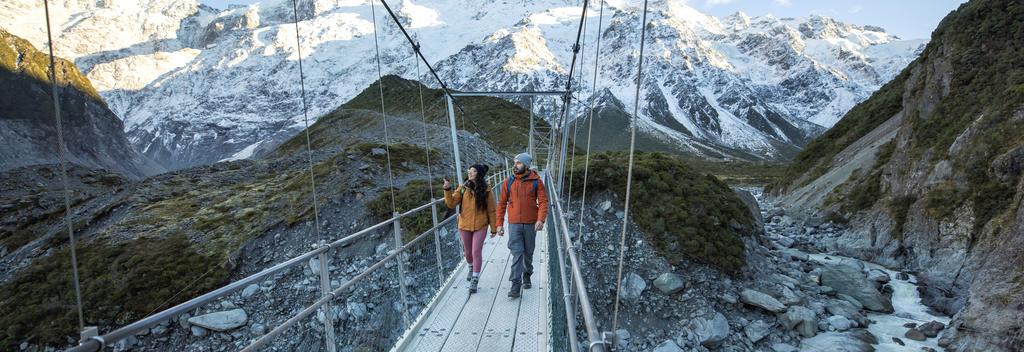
{"x":525,"y":206}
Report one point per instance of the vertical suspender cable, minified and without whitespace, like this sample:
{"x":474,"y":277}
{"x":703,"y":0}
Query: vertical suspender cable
{"x":305,"y":120}
{"x":387,"y":150}
{"x":629,"y":177}
{"x":383,"y":113}
{"x":61,"y":151}
{"x":590,"y":122}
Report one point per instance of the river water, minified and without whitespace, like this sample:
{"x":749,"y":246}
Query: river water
{"x":907,"y":306}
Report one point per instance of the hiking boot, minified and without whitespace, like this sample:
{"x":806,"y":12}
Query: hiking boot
{"x":469,"y":275}
{"x":516,"y":290}
{"x":473,"y":284}
{"x":526,"y":281}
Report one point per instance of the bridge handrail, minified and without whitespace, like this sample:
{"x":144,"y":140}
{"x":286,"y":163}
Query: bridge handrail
{"x":263,"y":340}
{"x":597,"y":342}
{"x":97,"y":343}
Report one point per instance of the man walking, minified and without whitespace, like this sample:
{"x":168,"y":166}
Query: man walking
{"x":526,"y":203}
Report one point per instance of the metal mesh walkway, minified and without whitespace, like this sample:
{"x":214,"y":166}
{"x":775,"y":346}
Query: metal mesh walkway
{"x":487,"y":320}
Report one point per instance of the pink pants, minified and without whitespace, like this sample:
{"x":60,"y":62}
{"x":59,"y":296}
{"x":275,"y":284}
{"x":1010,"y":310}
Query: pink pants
{"x":473,"y":247}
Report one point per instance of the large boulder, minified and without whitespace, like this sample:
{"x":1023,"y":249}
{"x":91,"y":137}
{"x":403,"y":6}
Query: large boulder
{"x":221,"y":321}
{"x":710,"y":330}
{"x":762,"y":300}
{"x":835,"y":342}
{"x":632,"y":286}
{"x":756,"y":330}
{"x":931,"y":329}
{"x":850,"y":281}
{"x":751,"y":202}
{"x":668,"y":346}
{"x":669,"y":283}
{"x":803,"y":320}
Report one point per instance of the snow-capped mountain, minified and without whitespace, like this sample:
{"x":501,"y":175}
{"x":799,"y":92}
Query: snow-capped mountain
{"x":195,"y":85}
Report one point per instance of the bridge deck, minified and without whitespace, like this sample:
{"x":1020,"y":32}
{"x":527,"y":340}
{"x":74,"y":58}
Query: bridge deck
{"x":488,"y":320}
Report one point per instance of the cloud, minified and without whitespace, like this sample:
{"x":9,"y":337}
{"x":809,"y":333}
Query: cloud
{"x":856,"y":8}
{"x":783,"y":2}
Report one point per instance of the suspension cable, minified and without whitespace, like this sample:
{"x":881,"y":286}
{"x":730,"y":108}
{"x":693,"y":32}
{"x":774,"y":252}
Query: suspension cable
{"x":575,"y":124}
{"x":418,"y":53}
{"x":629,"y":175}
{"x":426,"y":136}
{"x":61,"y":152}
{"x":305,"y":120}
{"x":590,"y":122}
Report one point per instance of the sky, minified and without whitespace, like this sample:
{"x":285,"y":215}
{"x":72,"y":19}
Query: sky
{"x":908,"y":19}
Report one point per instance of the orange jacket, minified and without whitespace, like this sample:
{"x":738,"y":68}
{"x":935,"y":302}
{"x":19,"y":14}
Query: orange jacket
{"x":524,"y":207}
{"x":471,"y":218}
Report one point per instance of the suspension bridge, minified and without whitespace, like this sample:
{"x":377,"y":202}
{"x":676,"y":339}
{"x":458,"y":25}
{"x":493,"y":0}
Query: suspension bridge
{"x":555,"y":314}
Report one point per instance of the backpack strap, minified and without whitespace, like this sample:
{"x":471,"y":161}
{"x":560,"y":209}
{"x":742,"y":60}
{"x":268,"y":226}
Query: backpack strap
{"x":508,"y":188}
{"x":535,"y":188}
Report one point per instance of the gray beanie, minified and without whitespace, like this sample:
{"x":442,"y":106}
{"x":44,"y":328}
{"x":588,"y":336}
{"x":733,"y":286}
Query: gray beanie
{"x":524,"y":158}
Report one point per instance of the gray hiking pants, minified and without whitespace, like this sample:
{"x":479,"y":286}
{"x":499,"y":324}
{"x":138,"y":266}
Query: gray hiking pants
{"x":522,"y":238}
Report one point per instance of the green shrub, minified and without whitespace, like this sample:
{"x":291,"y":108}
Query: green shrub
{"x":898,"y":209}
{"x":941,"y":201}
{"x":686,"y":214}
{"x":414,"y":194}
{"x":120,"y":283}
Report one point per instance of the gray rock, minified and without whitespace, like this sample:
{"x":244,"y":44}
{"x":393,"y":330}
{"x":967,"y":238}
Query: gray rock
{"x":878,"y":275}
{"x":851,"y":281}
{"x":782,"y":347}
{"x":250,"y":290}
{"x":915,"y":335}
{"x":632,"y":286}
{"x":835,"y":342}
{"x":785,"y":242}
{"x":258,"y":329}
{"x":762,"y":300}
{"x":794,"y":254}
{"x":803,"y":320}
{"x":788,"y":297}
{"x":710,"y":330}
{"x":356,"y":310}
{"x":198,"y":331}
{"x":931,"y":329}
{"x":756,"y":331}
{"x":840,"y":323}
{"x":378,"y":151}
{"x":669,"y":283}
{"x":668,"y":346}
{"x":604,"y":206}
{"x":851,"y":300}
{"x":183,"y":320}
{"x":158,"y":330}
{"x":221,"y":321}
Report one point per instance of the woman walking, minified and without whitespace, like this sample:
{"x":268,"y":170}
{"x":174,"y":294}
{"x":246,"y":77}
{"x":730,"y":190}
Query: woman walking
{"x":477,"y":213}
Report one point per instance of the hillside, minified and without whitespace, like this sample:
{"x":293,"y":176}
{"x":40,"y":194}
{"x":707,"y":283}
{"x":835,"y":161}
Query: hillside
{"x":150,"y":244}
{"x":928,"y":172}
{"x":93,"y":134}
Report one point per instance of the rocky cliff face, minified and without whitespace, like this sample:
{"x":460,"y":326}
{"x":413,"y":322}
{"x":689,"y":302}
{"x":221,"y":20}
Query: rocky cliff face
{"x":195,"y":85}
{"x":93,"y":134}
{"x":928,"y":172}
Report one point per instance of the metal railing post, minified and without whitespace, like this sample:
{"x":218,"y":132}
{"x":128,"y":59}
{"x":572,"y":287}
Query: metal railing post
{"x":437,"y":245}
{"x":401,"y":269}
{"x":325,"y":289}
